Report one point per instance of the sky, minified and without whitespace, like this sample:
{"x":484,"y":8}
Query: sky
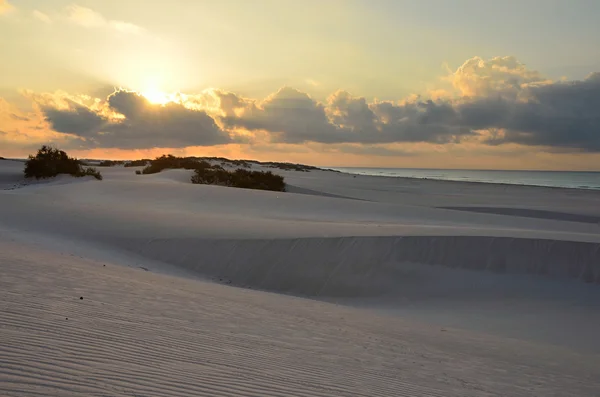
{"x":377,"y":83}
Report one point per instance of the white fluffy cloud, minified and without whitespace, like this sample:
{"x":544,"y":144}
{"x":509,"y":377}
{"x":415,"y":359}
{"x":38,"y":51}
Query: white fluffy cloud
{"x":40,"y":16}
{"x":88,"y":18}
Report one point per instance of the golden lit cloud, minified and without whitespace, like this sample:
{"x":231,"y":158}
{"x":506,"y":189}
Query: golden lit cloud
{"x":88,"y":18}
{"x":501,"y":111}
{"x":40,"y":16}
{"x":85,"y":17}
{"x":125,"y":27}
{"x":479,"y":77}
{"x":5,"y":7}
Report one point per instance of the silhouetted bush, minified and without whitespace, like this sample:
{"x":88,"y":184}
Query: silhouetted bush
{"x":109,"y":163}
{"x":138,"y":172}
{"x":205,"y":173}
{"x":234,"y":163}
{"x":2,"y":158}
{"x":138,"y":163}
{"x":291,"y":167}
{"x":239,"y":178}
{"x":171,"y":162}
{"x":50,"y":162}
{"x":89,"y":171}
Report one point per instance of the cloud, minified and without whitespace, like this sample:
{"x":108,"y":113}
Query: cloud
{"x":75,"y":119}
{"x":499,"y":75}
{"x":85,"y":17}
{"x":125,"y":27}
{"x":23,"y":131}
{"x":88,"y":18}
{"x":498,"y":102}
{"x":6,"y":7}
{"x":371,"y":150}
{"x":17,"y":117}
{"x":128,"y":120}
{"x":40,"y":16}
{"x":562,"y":115}
{"x":289,"y":115}
{"x":292,"y":116}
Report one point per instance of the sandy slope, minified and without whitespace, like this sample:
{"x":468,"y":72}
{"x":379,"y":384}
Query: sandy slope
{"x":512,"y":262}
{"x":140,"y":334}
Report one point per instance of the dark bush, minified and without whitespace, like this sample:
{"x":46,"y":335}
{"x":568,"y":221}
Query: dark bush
{"x":138,"y":163}
{"x":291,"y":167}
{"x":50,"y":162}
{"x":236,"y":163}
{"x":239,"y":178}
{"x":138,"y":172}
{"x":208,"y":174}
{"x":89,"y":171}
{"x":171,"y":162}
{"x":109,"y":163}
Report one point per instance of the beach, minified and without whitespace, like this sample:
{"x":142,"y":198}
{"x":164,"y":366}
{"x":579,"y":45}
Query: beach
{"x":344,"y":285}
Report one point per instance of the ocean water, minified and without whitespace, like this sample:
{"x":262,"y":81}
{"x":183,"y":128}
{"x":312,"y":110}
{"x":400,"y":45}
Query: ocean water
{"x":564,"y":179}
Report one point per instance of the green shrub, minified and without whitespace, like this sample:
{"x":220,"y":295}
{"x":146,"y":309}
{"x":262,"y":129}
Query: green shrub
{"x":89,"y":171}
{"x":50,"y":162}
{"x":171,"y":162}
{"x":239,"y":178}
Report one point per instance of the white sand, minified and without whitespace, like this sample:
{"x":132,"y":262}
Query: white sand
{"x":509,"y":291}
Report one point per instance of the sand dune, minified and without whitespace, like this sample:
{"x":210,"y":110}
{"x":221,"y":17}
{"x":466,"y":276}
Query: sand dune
{"x":531,"y":213}
{"x":137,"y":333}
{"x":500,"y":270}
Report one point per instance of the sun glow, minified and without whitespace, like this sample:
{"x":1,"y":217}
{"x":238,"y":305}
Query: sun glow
{"x":157,"y":97}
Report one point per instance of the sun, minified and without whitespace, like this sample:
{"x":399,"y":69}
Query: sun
{"x":156,"y":97}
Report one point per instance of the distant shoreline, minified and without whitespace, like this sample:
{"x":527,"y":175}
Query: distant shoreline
{"x":592,"y":182}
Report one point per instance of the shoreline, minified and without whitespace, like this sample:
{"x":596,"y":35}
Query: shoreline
{"x":474,"y":182}
{"x":345,"y":170}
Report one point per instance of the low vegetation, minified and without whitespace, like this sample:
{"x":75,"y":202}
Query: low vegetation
{"x":291,"y":167}
{"x":171,"y":162}
{"x":109,"y":163}
{"x":214,"y":174}
{"x":209,"y":174}
{"x":137,"y":163}
{"x":240,"y":178}
{"x":50,"y":162}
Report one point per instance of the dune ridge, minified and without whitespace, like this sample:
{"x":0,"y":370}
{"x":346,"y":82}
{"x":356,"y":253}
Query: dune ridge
{"x":356,"y":266}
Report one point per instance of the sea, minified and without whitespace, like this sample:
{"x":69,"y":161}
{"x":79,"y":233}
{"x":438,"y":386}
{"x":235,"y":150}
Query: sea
{"x":563,"y":179}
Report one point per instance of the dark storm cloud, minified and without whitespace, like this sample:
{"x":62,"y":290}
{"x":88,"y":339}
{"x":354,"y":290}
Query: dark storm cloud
{"x":293,"y":117}
{"x":290,"y":115}
{"x":560,"y":115}
{"x":77,"y":119}
{"x":532,"y":112}
{"x":145,"y":125}
{"x":563,"y":115}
